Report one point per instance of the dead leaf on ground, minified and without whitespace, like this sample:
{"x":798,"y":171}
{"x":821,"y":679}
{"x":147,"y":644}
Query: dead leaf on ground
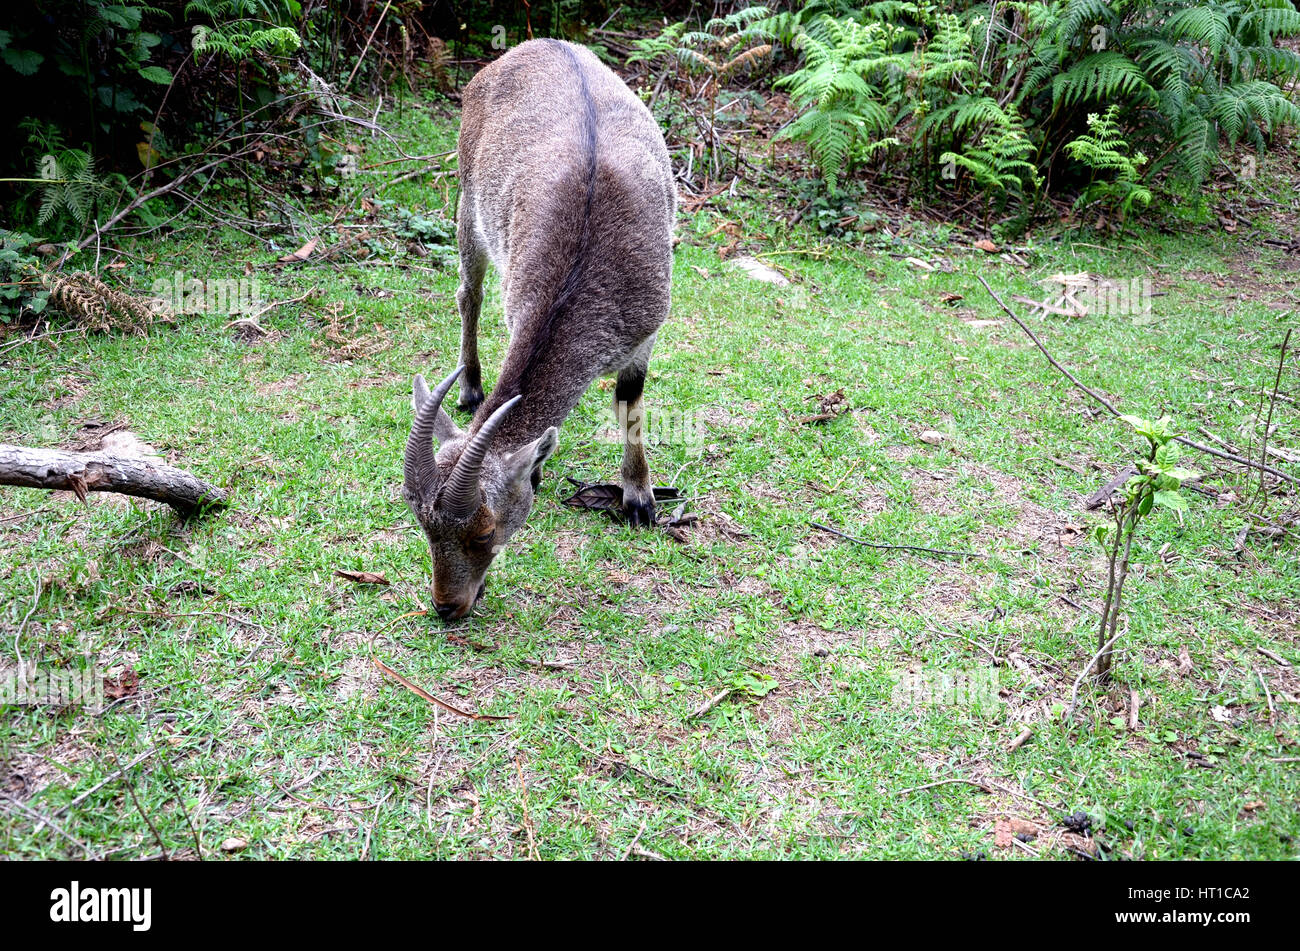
{"x":1071,"y":533}
{"x":984,"y":244}
{"x":126,"y":685}
{"x":679,"y":518}
{"x":302,"y":254}
{"x":608,"y":496}
{"x":78,"y":485}
{"x":1006,"y":829}
{"x":932,"y":437}
{"x":361,"y":577}
{"x":1079,"y":843}
{"x":190,"y":587}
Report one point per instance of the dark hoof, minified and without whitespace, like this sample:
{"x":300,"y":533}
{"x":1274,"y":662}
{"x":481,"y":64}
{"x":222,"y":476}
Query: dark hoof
{"x":470,"y":401}
{"x":640,"y":514}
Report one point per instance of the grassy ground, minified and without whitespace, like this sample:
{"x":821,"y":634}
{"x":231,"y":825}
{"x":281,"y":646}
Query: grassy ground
{"x":262,"y":728}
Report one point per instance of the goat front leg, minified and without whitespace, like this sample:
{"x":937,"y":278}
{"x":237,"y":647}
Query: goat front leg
{"x":469,"y":301}
{"x":638,"y":494}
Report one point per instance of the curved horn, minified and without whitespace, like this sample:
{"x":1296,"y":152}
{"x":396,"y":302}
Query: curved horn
{"x":461,"y":492}
{"x":419,"y":444}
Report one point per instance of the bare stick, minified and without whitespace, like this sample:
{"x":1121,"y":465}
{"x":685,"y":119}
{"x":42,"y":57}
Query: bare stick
{"x":371,"y":39}
{"x":139,"y":200}
{"x":1268,"y":423}
{"x":45,"y":821}
{"x":130,"y":788}
{"x":709,"y":704}
{"x":96,"y":788}
{"x":409,"y":158}
{"x":528,"y":821}
{"x":83,"y":472}
{"x":946,"y":782}
{"x":1278,"y":658}
{"x":1074,"y":693}
{"x":1025,"y":736}
{"x":1268,"y":695}
{"x":635,"y":840}
{"x":18,"y":651}
{"x":421,"y":692}
{"x":1105,"y":404}
{"x":860,"y":541}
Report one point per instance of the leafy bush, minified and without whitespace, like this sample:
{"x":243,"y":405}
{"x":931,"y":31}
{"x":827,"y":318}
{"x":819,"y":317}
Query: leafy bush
{"x":993,"y":97}
{"x":21,"y":293}
{"x":844,"y":122}
{"x":1103,"y":150}
{"x":724,"y":48}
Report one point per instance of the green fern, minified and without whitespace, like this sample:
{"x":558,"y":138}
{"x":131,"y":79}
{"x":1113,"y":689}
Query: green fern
{"x":997,"y":89}
{"x":242,"y":27}
{"x":841,"y":87}
{"x":68,"y":184}
{"x":1102,"y":77}
{"x":999,"y":158}
{"x":1105,"y":152}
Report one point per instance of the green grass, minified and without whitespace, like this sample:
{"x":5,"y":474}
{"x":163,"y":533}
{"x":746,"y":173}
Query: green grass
{"x":271,"y":725}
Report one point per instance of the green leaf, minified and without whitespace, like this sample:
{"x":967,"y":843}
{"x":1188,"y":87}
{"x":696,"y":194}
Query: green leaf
{"x":155,"y":74}
{"x":24,"y":62}
{"x":1143,"y":426}
{"x":1144,"y":505}
{"x":754,"y":684}
{"x":118,"y":15}
{"x":1170,"y":499}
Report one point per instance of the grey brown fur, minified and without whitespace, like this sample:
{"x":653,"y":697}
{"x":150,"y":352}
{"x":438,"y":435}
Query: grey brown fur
{"x":567,"y":189}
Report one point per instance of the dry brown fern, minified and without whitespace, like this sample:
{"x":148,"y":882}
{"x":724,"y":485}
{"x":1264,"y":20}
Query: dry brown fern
{"x":96,"y":306}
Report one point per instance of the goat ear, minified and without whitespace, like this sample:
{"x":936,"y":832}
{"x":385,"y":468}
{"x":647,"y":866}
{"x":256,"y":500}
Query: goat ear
{"x":444,"y":427}
{"x":526,"y":463}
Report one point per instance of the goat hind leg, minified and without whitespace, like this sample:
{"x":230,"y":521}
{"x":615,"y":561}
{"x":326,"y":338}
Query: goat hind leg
{"x":638,"y":494}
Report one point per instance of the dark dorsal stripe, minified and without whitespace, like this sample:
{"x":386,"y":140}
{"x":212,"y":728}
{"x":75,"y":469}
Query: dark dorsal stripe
{"x":515,"y":381}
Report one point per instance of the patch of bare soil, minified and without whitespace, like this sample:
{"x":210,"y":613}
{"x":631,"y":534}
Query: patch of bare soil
{"x":569,"y":546}
{"x":282,"y":385}
{"x":252,"y":334}
{"x":1032,"y":524}
{"x":76,"y":386}
{"x":24,"y":774}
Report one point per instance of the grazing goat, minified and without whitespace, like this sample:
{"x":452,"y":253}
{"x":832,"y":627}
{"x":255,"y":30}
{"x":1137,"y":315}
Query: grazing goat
{"x":566,"y":187}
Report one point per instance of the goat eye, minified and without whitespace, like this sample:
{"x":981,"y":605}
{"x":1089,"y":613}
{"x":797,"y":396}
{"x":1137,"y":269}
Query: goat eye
{"x":485,"y":538}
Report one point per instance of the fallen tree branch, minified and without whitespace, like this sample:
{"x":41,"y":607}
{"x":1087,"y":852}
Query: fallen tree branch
{"x":424,"y":694}
{"x":1106,"y":405}
{"x":139,"y":200}
{"x":862,"y":541}
{"x":83,"y":472}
